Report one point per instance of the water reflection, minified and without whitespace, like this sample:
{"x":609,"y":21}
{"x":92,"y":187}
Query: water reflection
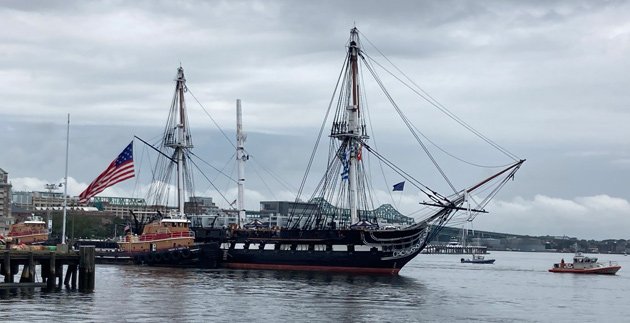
{"x":271,"y":295}
{"x":432,"y":288}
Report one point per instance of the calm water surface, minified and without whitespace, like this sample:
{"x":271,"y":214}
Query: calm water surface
{"x":431,"y":288}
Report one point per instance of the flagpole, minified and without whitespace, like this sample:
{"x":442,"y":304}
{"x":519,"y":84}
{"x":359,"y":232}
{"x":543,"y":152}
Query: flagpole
{"x":65,"y":186}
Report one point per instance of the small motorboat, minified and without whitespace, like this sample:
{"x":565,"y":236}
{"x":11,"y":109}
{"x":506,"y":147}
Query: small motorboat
{"x":478,"y":259}
{"x":585,"y":265}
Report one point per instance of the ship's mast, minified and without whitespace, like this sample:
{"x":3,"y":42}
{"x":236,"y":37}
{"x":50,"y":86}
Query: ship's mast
{"x":182,"y":137}
{"x":349,"y":128}
{"x":353,"y":126}
{"x":241,"y":157}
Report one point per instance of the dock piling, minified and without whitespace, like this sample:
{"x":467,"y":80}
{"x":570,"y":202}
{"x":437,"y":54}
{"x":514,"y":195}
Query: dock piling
{"x":87,"y":265}
{"x":50,"y":278}
{"x":6,"y":267}
{"x":52,"y":268}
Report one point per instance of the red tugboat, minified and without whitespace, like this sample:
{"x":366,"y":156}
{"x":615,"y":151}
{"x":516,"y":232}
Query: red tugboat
{"x":164,"y":241}
{"x":585,"y":265}
{"x":31,"y":231}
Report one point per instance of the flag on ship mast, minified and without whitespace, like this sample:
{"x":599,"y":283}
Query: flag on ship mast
{"x":345,"y":164}
{"x":119,"y":170}
{"x":399,"y":187}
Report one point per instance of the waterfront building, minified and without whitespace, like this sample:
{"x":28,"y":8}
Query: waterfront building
{"x":278,"y":212}
{"x":121,"y":207}
{"x":6,"y":219}
{"x":200,"y":205}
{"x":384,"y":214}
{"x":38,"y":200}
{"x":491,"y":243}
{"x":272,"y":213}
{"x":204,"y":213}
{"x":524,"y":244}
{"x":24,"y":204}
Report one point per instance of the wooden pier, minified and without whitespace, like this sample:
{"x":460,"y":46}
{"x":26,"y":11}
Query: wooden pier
{"x":78,"y":265}
{"x":454,"y":249}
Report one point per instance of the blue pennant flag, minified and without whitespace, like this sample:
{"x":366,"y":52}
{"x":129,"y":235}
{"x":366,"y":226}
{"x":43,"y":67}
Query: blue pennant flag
{"x":400,"y":186}
{"x":344,"y":173}
{"x":345,"y":165}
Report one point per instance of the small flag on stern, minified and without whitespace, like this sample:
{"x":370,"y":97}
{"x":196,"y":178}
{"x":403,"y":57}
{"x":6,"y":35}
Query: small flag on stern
{"x":119,"y":170}
{"x":400,"y":186}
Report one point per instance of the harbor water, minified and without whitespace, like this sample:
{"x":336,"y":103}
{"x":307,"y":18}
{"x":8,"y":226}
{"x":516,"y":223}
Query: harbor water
{"x":431,"y":288}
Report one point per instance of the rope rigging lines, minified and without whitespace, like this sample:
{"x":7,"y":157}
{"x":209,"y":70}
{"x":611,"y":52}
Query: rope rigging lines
{"x":434,"y":102}
{"x":349,"y":136}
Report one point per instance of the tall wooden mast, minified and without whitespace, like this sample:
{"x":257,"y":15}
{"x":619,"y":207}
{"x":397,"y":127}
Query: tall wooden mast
{"x":353,"y":126}
{"x":178,"y":137}
{"x":349,"y":128}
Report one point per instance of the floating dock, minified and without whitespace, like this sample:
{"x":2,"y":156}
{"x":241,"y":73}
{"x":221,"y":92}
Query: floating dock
{"x":78,"y":264}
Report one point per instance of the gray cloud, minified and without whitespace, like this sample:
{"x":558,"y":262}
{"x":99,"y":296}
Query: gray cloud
{"x":547,"y":80}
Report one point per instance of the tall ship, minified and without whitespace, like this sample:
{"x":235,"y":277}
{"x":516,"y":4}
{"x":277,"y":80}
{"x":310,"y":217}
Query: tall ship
{"x":336,"y":230}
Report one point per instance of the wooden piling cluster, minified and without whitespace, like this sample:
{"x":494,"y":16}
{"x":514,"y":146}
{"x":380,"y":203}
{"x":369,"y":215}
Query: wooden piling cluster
{"x":51,"y":268}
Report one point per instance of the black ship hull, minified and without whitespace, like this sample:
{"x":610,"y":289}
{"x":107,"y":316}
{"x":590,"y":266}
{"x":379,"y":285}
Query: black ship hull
{"x":200,"y":256}
{"x":170,"y":258}
{"x":363,"y":262}
{"x":345,"y":250}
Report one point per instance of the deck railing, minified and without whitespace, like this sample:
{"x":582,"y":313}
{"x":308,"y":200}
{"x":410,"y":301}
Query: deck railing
{"x":167,"y":235}
{"x":27,"y":232}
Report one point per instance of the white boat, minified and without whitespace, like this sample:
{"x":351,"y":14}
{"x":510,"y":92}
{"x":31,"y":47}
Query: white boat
{"x":478,"y":259}
{"x":585,"y":265}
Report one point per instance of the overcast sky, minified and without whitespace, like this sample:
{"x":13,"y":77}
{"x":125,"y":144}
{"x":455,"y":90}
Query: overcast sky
{"x":548,"y":80}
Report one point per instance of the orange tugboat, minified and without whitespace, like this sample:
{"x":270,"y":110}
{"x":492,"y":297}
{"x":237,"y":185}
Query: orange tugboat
{"x":166,"y":242}
{"x":585,"y":265}
{"x":31,"y":231}
{"x":160,"y":235}
{"x":163,"y":241}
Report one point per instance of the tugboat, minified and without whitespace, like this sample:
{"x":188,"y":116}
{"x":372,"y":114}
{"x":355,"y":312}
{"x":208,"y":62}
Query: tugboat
{"x":585,"y":265}
{"x":163,"y":242}
{"x":31,"y":231}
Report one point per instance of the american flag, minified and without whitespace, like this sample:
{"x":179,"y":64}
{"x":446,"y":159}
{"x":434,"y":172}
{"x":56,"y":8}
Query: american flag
{"x":119,"y":170}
